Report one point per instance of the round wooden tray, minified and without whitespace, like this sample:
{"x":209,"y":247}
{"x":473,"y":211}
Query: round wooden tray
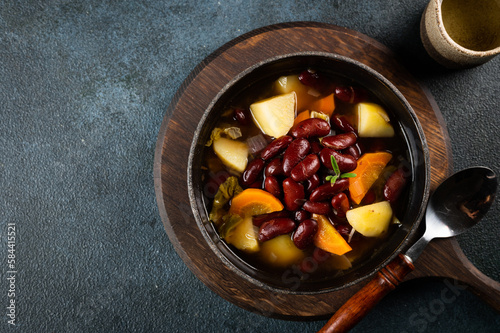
{"x":442,"y":258}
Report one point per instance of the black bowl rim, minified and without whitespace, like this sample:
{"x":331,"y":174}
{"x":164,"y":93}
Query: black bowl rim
{"x":191,"y":188}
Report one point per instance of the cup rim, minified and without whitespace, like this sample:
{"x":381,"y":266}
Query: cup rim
{"x":455,"y":45}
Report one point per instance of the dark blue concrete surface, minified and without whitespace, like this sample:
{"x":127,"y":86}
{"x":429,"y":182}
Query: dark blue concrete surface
{"x":83,"y":90}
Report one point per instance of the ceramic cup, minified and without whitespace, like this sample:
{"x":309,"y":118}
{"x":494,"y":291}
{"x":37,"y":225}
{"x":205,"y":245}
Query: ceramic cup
{"x":461,"y":33}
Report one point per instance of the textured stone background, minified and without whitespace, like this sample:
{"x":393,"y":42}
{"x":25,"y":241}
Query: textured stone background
{"x":83,"y":90}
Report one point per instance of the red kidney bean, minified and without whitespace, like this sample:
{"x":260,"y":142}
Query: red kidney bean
{"x":275,"y":147}
{"x":301,"y":215}
{"x":252,"y":172}
{"x":369,"y":197}
{"x":340,"y":204}
{"x":322,"y":207}
{"x":315,"y":147}
{"x":313,"y":79}
{"x":312,"y":127}
{"x":312,"y":183}
{"x":345,"y":162}
{"x":274,"y":168}
{"x":275,"y":227}
{"x":339,"y":141}
{"x":351,"y":94}
{"x":256,"y":184}
{"x":343,"y":229}
{"x":293,"y":194}
{"x":356,"y":150}
{"x":272,"y":186}
{"x":258,"y":220}
{"x":326,"y":191}
{"x":242,"y":116}
{"x":394,"y":185}
{"x":306,"y":168}
{"x":341,"y":123}
{"x":295,"y":153}
{"x":304,"y":235}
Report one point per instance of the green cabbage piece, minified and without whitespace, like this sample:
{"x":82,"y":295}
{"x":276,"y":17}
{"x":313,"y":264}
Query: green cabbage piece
{"x":226,"y":191}
{"x":233,"y":132}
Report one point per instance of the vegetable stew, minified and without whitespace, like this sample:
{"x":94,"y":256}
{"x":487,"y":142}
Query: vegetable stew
{"x":307,"y":172}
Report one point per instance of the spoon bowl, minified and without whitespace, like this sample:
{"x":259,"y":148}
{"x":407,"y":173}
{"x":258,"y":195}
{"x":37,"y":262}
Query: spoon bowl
{"x":457,"y":205}
{"x":461,"y":201}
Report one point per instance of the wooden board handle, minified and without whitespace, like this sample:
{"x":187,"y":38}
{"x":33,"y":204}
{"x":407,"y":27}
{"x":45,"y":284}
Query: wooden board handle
{"x":364,"y":300}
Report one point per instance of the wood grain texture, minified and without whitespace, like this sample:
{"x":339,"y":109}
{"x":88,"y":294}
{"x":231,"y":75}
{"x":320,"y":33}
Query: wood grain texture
{"x":186,"y":109}
{"x":386,"y":280}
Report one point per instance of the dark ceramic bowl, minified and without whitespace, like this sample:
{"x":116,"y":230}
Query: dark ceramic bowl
{"x":409,"y":128}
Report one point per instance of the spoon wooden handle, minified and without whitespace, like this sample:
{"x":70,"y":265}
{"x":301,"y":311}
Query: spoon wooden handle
{"x":365,"y":299}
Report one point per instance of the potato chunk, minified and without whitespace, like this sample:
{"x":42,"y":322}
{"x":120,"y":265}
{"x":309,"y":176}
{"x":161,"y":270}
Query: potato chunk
{"x":281,"y":251}
{"x":233,"y":153}
{"x":244,"y":236}
{"x":371,"y":220}
{"x":275,"y":115}
{"x":373,"y":121}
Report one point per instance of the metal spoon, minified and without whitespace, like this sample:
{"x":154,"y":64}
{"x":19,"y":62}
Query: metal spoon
{"x":456,"y":205}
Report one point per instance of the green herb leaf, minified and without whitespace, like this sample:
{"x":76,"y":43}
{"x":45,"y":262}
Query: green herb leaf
{"x":348,"y":175}
{"x":335,"y":166}
{"x":333,"y":178}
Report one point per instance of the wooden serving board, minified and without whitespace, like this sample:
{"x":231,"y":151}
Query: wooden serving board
{"x":442,"y":258}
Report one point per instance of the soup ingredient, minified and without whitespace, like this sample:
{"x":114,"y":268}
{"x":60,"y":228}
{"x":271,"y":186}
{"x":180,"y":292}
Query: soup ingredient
{"x":335,"y":262}
{"x":328,"y":238}
{"x":293,"y":194}
{"x":325,"y":104}
{"x":373,"y":121}
{"x":231,"y":132}
{"x":244,"y":236}
{"x":328,"y":190}
{"x":275,"y":227}
{"x":312,"y":127}
{"x":242,"y":116}
{"x":306,"y":168}
{"x":296,"y":152}
{"x":280,"y":251}
{"x":275,"y":147}
{"x":243,"y":233}
{"x":339,"y":141}
{"x":350,"y":94}
{"x":291,"y":83}
{"x":371,"y":220}
{"x":254,"y":201}
{"x":370,"y":166}
{"x":335,"y":167}
{"x":275,"y":115}
{"x":252,"y":172}
{"x":304,"y":235}
{"x":226,"y":191}
{"x":345,"y":162}
{"x":394,"y":185}
{"x":300,"y":117}
{"x":340,"y":204}
{"x":233,"y":153}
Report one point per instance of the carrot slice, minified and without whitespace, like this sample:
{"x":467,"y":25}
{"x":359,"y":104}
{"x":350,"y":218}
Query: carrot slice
{"x":254,"y":201}
{"x":325,"y":105}
{"x":369,"y":168}
{"x":328,"y":238}
{"x":301,"y":116}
